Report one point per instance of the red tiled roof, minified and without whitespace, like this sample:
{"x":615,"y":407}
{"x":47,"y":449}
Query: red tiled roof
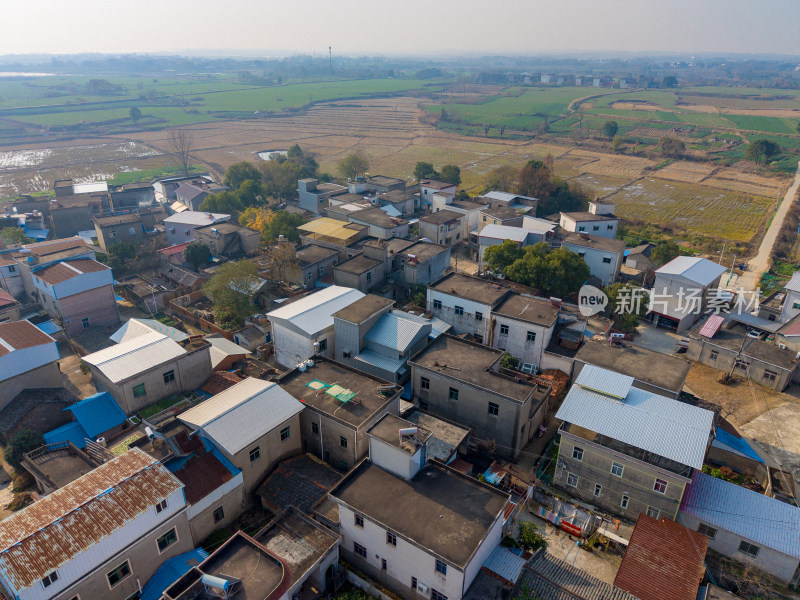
{"x":6,"y":299}
{"x":21,"y":334}
{"x":45,"y":248}
{"x":220,"y":381}
{"x":201,"y":475}
{"x":63,"y":271}
{"x":663,"y":561}
{"x":172,"y":250}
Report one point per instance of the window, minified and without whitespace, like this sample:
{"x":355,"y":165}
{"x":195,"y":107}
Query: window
{"x":596,"y":228}
{"x":309,"y":277}
{"x":484,"y":218}
{"x":12,"y":269}
{"x":741,"y":364}
{"x":607,"y":260}
{"x":358,"y":520}
{"x":219,"y":514}
{"x":166,"y":540}
{"x":437,"y":304}
{"x":285,"y":434}
{"x":343,"y":441}
{"x":391,"y":538}
{"x":315,"y":428}
{"x":610,"y":227}
{"x":459,"y":310}
{"x":624,"y":503}
{"x":138,"y":390}
{"x":478,"y":316}
{"x":321,"y":271}
{"x":748,"y":548}
{"x":653,"y":512}
{"x":582,"y":254}
{"x":581,"y":228}
{"x":531,"y":336}
{"x":478,"y":338}
{"x":597,"y":489}
{"x":494,"y":409}
{"x":369,"y":276}
{"x":660,"y":486}
{"x":503,"y":329}
{"x":453,"y":394}
{"x":50,"y":579}
{"x":707,"y":531}
{"x":383,"y":564}
{"x":572,"y":480}
{"x":112,"y":234}
{"x":161,"y":506}
{"x":437,"y":595}
{"x":360,"y":550}
{"x":413,"y":583}
{"x":323,"y":345}
{"x":617,"y":469}
{"x":796,"y":305}
{"x":85,"y":322}
{"x":577,"y":453}
{"x":169,"y":376}
{"x":255,"y":454}
{"x":770,"y":375}
{"x":713,"y":356}
{"x":441,"y":567}
{"x":424,"y":383}
{"x":118,"y":574}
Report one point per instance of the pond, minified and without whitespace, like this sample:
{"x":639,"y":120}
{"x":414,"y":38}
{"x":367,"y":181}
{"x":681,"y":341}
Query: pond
{"x":271,"y":154}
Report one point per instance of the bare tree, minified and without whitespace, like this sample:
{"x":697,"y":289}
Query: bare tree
{"x":180,"y":143}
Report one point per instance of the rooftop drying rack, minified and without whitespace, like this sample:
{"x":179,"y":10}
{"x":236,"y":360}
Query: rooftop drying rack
{"x":342,"y":394}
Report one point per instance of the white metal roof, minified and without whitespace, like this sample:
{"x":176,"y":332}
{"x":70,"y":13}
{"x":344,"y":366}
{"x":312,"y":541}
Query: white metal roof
{"x":379,"y":360}
{"x":505,"y":196}
{"x":537,"y":225}
{"x":763,"y":520}
{"x":135,"y":356}
{"x":667,"y":427}
{"x":314,"y":313}
{"x":693,"y":268}
{"x":504,"y":232}
{"x":222,"y":348}
{"x":133,"y":328}
{"x":794,"y":282}
{"x":396,"y":331}
{"x":604,"y":381}
{"x":196,"y":217}
{"x":243,"y":413}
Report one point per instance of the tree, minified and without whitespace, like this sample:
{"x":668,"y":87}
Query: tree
{"x":224,"y":202}
{"x":555,"y":272}
{"x":670,"y":81}
{"x":240,"y":172}
{"x":616,"y":143}
{"x":760,"y":151}
{"x":625,"y":305}
{"x":285,"y":224}
{"x":502,"y":179}
{"x":231,"y":292}
{"x":280,"y":261}
{"x":25,"y":441}
{"x":451,"y":174}
{"x":14,"y":235}
{"x":498,"y":257}
{"x":610,"y":129}
{"x":353,"y":165}
{"x":251,"y":193}
{"x":135,"y":114}
{"x":180,"y":142}
{"x":672,"y":147}
{"x":256,"y":218}
{"x":665,"y":252}
{"x":425,"y":170}
{"x":196,"y":254}
{"x":536,"y":180}
{"x":529,"y":538}
{"x":509,"y":362}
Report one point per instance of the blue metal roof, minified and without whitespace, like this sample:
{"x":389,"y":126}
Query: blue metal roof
{"x":505,"y":563}
{"x":727,"y":441}
{"x":172,"y":570}
{"x":72,"y":432}
{"x":97,"y":414}
{"x":49,"y":327}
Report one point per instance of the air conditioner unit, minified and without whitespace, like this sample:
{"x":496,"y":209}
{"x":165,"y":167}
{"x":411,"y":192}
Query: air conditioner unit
{"x":782,"y":346}
{"x":422,"y":588}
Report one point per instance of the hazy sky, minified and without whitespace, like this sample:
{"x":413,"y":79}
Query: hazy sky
{"x":400,"y":27}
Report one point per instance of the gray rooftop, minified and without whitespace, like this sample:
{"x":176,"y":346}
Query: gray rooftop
{"x":443,"y":216}
{"x":594,"y":241}
{"x":447,"y":436}
{"x":377,"y":217}
{"x":310,"y":254}
{"x":398,"y":330}
{"x":387,"y":429}
{"x":424,"y":250}
{"x":363,"y":308}
{"x":462,"y":509}
{"x":471,"y":288}
{"x":528,"y":309}
{"x":357,"y":265}
{"x":587,"y":216}
{"x":731,"y":336}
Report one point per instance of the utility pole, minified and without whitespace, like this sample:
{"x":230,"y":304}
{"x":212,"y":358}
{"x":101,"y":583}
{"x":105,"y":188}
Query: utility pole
{"x":330,"y":63}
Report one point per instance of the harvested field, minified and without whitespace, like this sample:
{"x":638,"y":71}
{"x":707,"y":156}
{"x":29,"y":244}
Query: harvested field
{"x":599,"y":186}
{"x":748,"y":183}
{"x":656,"y":133}
{"x":685,"y":171}
{"x":624,"y":166}
{"x":630,"y":105}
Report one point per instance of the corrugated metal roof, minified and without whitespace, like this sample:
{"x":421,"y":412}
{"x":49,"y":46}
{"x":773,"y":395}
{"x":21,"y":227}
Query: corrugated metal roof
{"x":314,"y":312}
{"x":243,"y":413}
{"x":438,"y":327}
{"x":537,"y":225}
{"x":380,"y":361}
{"x":72,"y":432}
{"x":222,"y":348}
{"x":693,"y":268}
{"x":763,"y":520}
{"x":794,"y":282}
{"x":58,"y":527}
{"x":504,"y":232}
{"x":505,"y":196}
{"x":330,"y":228}
{"x":667,"y":427}
{"x":196,"y":217}
{"x":170,"y":572}
{"x":712,"y":326}
{"x":505,"y":563}
{"x":395,"y":331}
{"x":604,"y":381}
{"x":134,"y":356}
{"x":754,"y":321}
{"x":133,"y":328}
{"x":97,"y":413}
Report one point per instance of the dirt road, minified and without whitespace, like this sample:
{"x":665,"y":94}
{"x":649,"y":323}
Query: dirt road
{"x":756,"y":266}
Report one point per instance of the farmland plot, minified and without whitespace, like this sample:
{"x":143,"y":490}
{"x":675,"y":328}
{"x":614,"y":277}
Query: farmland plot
{"x":685,"y":171}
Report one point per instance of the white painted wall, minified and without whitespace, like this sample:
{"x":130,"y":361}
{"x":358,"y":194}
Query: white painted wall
{"x":27,"y":359}
{"x":76,"y":285}
{"x":465,"y":323}
{"x":489,"y":543}
{"x":395,"y":460}
{"x":606,"y":272}
{"x":292,"y":347}
{"x":11,"y":280}
{"x":788,"y":310}
{"x":606,"y":229}
{"x":516,"y":342}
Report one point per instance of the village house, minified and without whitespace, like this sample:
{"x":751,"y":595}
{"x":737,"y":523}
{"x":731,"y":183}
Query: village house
{"x":383,"y":184}
{"x":429,"y":187}
{"x":313,"y":196}
{"x":191,"y":193}
{"x":494,"y":235}
{"x":422,"y":263}
{"x":599,"y":220}
{"x":445,"y":227}
{"x":465,"y":303}
{"x":499,"y":215}
{"x":360,"y":272}
{"x":471,"y":209}
{"x":602,"y":255}
{"x":17,"y":265}
{"x":180,"y":226}
{"x":334,"y":234}
{"x":380,"y":224}
{"x":97,"y":418}
{"x":119,"y":229}
{"x":228,"y":240}
{"x":403,"y":202}
{"x":523,"y":326}
{"x":28,"y":360}
{"x":388,"y":503}
{"x":313,"y":263}
{"x":341,"y":404}
{"x":627,"y":450}
{"x":459,"y":380}
{"x":510,"y":200}
{"x":9,"y":308}
{"x":78,"y":293}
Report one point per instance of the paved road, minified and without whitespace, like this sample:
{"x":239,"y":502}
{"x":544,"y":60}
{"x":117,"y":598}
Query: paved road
{"x":760,"y":263}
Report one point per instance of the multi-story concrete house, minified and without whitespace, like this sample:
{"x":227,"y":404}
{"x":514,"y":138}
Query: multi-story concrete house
{"x":341,"y":404}
{"x":360,"y":272}
{"x":445,"y":227}
{"x":466,"y":303}
{"x":180,"y":226}
{"x":228,"y":240}
{"x":98,"y":536}
{"x":417,"y":527}
{"x":459,"y":380}
{"x":28,"y":360}
{"x":79,"y":293}
{"x":599,"y":220}
{"x":499,"y":215}
{"x":313,"y":263}
{"x":430,"y":187}
{"x":313,"y":196}
{"x":254,"y":423}
{"x":627,"y":450}
{"x":17,"y":265}
{"x":191,"y":193}
{"x":603,"y":255}
{"x":523,"y":326}
{"x":149,"y":367}
{"x":119,"y":229}
{"x":423,"y":263}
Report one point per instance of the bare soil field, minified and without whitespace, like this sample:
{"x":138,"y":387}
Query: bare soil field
{"x":633,"y":105}
{"x":685,"y":171}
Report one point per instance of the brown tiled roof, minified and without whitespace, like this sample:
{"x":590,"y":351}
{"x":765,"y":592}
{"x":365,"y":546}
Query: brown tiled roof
{"x":21,"y":334}
{"x":438,"y":185}
{"x":220,"y":381}
{"x":201,"y":475}
{"x":6,"y":299}
{"x":55,"y":529}
{"x":45,"y":248}
{"x":63,"y":271}
{"x":188,"y":443}
{"x":664,"y":559}
{"x":300,"y":482}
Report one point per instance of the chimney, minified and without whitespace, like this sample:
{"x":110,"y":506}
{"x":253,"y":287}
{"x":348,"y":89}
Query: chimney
{"x":555,"y":301}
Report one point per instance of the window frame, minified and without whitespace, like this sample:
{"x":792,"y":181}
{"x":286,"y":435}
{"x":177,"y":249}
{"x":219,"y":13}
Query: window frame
{"x":86,"y":322}
{"x":656,"y":486}
{"x":342,"y":441}
{"x":458,"y":310}
{"x":255,"y":454}
{"x":613,"y":469}
{"x":478,"y":316}
{"x":437,"y":304}
{"x":653,"y":512}
{"x":577,"y":453}
{"x":161,"y":506}
{"x":770,"y":375}
{"x":606,"y":260}
{"x":572,"y":477}
{"x":437,"y":595}
{"x":126,"y":564}
{"x":174,"y":532}
{"x":359,"y":550}
{"x":707,"y":530}
{"x":288,"y":433}
{"x":323,"y":344}
{"x":746,"y":547}
{"x":493,"y":409}
{"x":169,"y":376}
{"x":624,"y":501}
{"x":530,"y":337}
{"x":315,"y":428}
{"x":453,"y":394}
{"x":424,"y":383}
{"x":358,"y":520}
{"x":50,"y":578}
{"x":598,"y":490}
{"x":391,"y":538}
{"x":503,"y":329}
{"x":441,"y":567}
{"x":139,"y":390}
{"x":221,"y":511}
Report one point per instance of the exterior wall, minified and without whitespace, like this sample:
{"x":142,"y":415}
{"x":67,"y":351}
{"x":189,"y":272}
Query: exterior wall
{"x":605,"y":272}
{"x":675,"y":286}
{"x":184,"y":232}
{"x":516,"y":341}
{"x":637,"y":481}
{"x":444,"y":235}
{"x":308,"y":275}
{"x":485,"y":220}
{"x":45,"y":376}
{"x":551,"y":360}
{"x":99,"y":305}
{"x":9,"y":314}
{"x":69,"y":221}
{"x":426,"y":194}
{"x":384,"y":233}
{"x":11,"y":280}
{"x":229,"y":496}
{"x":606,"y":229}
{"x":465,"y":323}
{"x":118,"y":234}
{"x":727,"y":543}
{"x":85,"y":575}
{"x":394,"y":460}
{"x":427,"y":272}
{"x":363,"y":282}
{"x":489,"y":543}
{"x":292,"y":347}
{"x":791,"y":306}
{"x":75,"y":285}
